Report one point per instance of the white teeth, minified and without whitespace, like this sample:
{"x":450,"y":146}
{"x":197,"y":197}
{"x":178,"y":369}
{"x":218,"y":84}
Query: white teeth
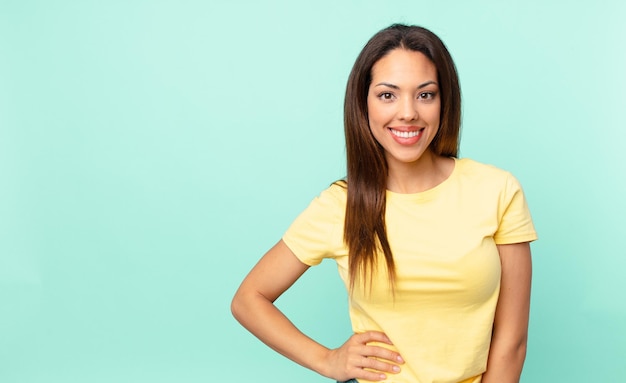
{"x":405,"y":134}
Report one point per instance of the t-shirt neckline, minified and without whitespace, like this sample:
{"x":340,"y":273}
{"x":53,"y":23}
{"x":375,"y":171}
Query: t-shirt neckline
{"x":430,"y":193}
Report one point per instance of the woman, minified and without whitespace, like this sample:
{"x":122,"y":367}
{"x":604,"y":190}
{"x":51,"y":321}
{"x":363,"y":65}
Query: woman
{"x":434,"y":250}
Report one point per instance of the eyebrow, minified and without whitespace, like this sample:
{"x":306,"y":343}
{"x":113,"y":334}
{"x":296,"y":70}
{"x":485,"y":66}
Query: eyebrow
{"x":397,"y":87}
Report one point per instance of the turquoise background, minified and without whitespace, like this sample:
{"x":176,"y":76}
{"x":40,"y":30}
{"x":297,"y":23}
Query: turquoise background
{"x":152,"y":151}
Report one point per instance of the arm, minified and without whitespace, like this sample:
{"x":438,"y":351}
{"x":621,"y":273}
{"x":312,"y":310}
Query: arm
{"x":510,"y":328}
{"x":253,"y":306}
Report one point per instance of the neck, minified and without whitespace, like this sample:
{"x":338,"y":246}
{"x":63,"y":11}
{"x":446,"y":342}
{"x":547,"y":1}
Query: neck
{"x":415,"y":177}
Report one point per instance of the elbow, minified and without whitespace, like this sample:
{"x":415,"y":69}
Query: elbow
{"x":243,"y":304}
{"x":513,"y":350}
{"x":236,"y":307}
{"x":515,"y":353}
{"x":506,"y":361}
{"x":518,"y":348}
{"x":509,"y":352}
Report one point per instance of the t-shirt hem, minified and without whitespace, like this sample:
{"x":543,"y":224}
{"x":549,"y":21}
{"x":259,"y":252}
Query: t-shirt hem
{"x":516,"y":239}
{"x":295,"y":252}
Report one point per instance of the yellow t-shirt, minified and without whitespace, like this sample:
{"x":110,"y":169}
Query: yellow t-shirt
{"x":448,"y":267}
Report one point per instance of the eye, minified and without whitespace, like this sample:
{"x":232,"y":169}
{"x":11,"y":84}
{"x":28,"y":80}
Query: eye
{"x":428,"y":96}
{"x":386,"y":96}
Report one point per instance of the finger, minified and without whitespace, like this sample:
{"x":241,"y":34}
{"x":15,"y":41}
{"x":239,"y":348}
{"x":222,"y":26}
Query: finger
{"x":369,"y":375}
{"x":373,"y":336}
{"x":382,"y":353}
{"x":372,"y":376}
{"x":380,"y":366}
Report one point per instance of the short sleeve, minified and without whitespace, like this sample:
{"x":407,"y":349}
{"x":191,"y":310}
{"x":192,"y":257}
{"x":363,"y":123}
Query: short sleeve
{"x":317,"y":233}
{"x":515,"y":223}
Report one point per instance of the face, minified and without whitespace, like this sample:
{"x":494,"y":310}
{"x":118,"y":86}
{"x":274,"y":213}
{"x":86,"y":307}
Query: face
{"x":403,"y":104}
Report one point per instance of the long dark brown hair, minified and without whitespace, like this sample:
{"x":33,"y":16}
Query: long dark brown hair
{"x":364,"y":233}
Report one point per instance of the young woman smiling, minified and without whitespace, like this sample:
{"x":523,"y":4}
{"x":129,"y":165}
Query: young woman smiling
{"x":434,"y":250}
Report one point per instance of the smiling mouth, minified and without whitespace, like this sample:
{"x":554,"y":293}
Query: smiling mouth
{"x":398,"y":133}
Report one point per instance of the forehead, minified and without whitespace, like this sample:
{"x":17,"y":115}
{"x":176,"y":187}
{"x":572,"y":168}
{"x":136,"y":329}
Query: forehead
{"x":404,"y":65}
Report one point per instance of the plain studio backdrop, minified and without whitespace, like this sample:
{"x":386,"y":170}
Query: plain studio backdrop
{"x":152,"y":151}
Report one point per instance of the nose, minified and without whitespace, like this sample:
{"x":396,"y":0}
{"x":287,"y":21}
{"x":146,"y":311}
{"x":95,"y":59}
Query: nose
{"x":408,"y":110}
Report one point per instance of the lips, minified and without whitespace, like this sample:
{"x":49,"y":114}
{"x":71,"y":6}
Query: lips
{"x":406,"y":133}
{"x":406,"y":136}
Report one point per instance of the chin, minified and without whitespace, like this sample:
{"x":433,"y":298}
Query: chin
{"x":408,"y":159}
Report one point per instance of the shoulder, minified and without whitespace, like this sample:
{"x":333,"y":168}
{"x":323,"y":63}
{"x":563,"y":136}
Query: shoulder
{"x":484,"y":174}
{"x":317,"y":232}
{"x":329,"y":204}
{"x":335,"y":195}
{"x":487,"y":179}
{"x":474,"y":168}
{"x":338,"y":189}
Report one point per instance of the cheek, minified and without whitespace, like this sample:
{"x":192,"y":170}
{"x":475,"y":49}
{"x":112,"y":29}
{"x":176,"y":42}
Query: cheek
{"x":376,"y":115}
{"x":433,"y":116}
{"x":371,"y":112}
{"x":436,"y":121}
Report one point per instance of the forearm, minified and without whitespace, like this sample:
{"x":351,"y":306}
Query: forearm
{"x":263,"y":319}
{"x":506,"y":359}
{"x":510,"y":327}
